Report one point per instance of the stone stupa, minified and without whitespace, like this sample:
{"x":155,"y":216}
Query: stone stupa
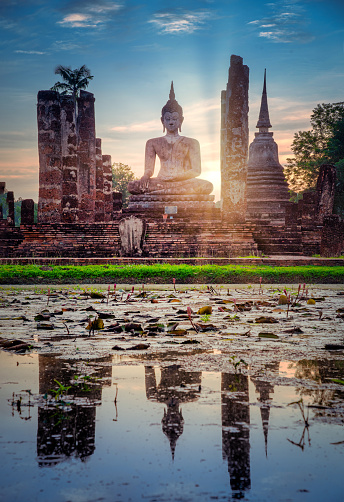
{"x":267,"y":189}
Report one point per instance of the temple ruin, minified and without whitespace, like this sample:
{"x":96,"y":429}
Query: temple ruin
{"x":171,"y":214}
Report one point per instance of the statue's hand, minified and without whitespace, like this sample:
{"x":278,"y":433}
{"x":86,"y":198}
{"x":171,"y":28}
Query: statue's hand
{"x":144,"y":182}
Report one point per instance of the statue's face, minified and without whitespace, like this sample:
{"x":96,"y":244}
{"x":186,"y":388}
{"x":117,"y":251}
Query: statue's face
{"x":172,"y":121}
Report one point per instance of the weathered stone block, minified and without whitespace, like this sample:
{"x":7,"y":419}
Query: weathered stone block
{"x":332,"y":236}
{"x":27,"y":212}
{"x":131,"y":231}
{"x":326,"y":185}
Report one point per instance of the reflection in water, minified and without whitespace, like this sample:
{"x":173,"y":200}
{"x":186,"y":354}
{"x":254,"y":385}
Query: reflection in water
{"x":320,"y":371}
{"x":124,"y":468}
{"x":236,"y":432}
{"x":67,"y":430}
{"x":172,"y":390}
{"x":264,"y":389}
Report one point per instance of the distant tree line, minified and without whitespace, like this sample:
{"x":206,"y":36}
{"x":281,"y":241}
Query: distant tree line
{"x":323,"y":143}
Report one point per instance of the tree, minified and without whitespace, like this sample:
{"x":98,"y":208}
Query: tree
{"x":322,"y":144}
{"x":74,"y":80}
{"x":121,"y":175}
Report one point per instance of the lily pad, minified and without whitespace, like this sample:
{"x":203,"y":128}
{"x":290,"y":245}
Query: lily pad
{"x":95,"y":294}
{"x":205,"y":310}
{"x":130,"y":326}
{"x":45,"y":325}
{"x":265,"y":334}
{"x":283,"y":300}
{"x":178,"y":332}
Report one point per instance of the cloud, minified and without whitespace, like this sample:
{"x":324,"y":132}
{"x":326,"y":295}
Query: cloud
{"x":152,"y":125}
{"x":179,"y":21}
{"x":29,"y":52}
{"x":286,"y":23}
{"x":63,"y":45}
{"x":89,"y":14}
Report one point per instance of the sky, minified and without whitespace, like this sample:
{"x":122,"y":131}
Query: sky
{"x":135,"y":49}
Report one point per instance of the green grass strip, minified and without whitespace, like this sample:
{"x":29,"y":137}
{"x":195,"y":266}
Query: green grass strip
{"x":164,"y":273}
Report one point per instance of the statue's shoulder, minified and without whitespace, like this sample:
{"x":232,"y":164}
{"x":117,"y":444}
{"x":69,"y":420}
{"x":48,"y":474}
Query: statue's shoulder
{"x":191,"y":142}
{"x":156,"y":141}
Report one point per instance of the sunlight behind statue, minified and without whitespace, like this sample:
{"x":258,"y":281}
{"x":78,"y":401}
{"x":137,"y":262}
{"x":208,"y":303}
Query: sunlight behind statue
{"x":180,"y":162}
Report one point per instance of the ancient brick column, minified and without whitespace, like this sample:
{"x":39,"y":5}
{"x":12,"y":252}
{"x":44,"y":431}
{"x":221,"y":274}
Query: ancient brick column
{"x":326,"y":185}
{"x":86,"y":157}
{"x":70,"y":196}
{"x":99,"y":204}
{"x":27,"y":212}
{"x":10,"y":204}
{"x":50,"y":158}
{"x":117,"y":201}
{"x":108,"y":199}
{"x":234,"y":141}
{"x":332,"y":236}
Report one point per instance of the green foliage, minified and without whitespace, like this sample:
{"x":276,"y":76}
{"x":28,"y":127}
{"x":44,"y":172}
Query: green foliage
{"x":74,"y":80}
{"x":121,"y":175}
{"x":322,"y":144}
{"x":164,"y":273}
{"x":61,"y":391}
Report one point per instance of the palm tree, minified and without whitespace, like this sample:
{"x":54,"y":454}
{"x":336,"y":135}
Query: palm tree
{"x":74,"y":80}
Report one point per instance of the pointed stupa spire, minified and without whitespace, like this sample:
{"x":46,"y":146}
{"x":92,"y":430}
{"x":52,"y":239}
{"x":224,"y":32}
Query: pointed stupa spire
{"x":264,"y":119}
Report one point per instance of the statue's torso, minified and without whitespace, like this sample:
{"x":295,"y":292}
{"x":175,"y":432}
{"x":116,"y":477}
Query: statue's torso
{"x":175,"y":156}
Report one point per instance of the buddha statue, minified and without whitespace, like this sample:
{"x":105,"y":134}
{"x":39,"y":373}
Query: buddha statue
{"x":180,"y":161}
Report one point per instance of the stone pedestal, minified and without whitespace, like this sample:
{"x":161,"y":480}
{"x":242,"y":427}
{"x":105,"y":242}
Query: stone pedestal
{"x":185,"y":204}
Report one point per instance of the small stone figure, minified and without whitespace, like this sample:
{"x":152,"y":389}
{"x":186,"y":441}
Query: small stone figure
{"x":180,"y":159}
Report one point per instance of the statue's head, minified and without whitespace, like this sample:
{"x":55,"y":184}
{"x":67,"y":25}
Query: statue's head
{"x":172,"y":110}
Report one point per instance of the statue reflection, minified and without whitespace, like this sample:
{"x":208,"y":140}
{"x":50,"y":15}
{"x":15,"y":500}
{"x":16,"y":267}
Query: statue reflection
{"x":235,"y":431}
{"x":176,"y":386}
{"x":69,"y":430}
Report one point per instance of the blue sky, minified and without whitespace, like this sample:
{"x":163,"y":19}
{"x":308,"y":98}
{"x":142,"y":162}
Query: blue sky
{"x":135,"y":49}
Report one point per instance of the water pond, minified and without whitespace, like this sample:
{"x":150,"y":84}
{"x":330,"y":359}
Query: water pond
{"x":112,"y":429}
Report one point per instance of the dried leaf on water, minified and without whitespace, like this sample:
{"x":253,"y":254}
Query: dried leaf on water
{"x":265,"y":320}
{"x":139,"y":346}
